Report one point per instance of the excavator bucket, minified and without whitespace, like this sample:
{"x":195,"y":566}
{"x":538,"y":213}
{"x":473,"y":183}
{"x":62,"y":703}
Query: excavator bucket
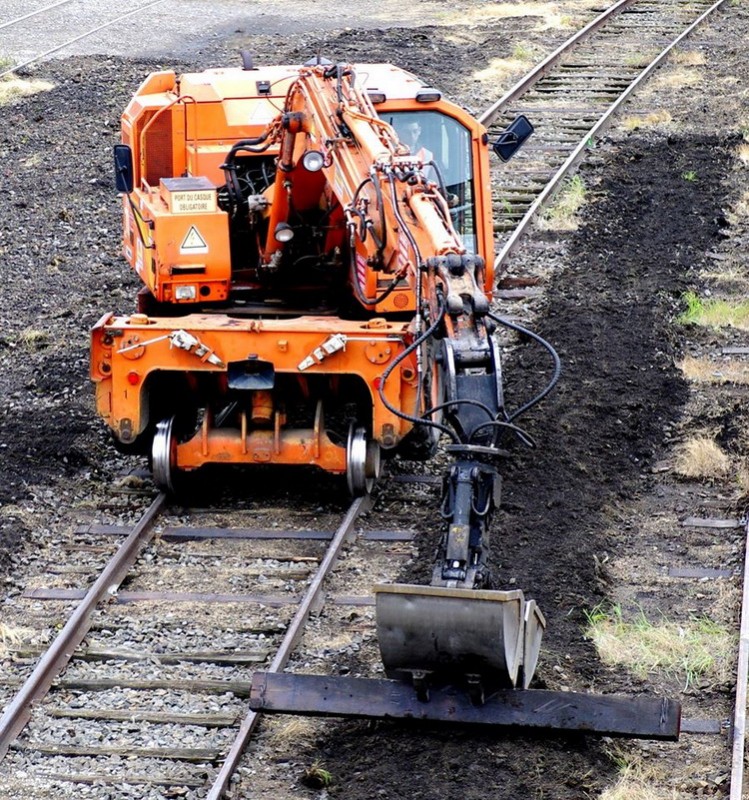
{"x":436,"y":635}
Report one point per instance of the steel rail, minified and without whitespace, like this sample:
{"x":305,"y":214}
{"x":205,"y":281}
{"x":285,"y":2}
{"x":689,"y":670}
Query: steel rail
{"x":291,"y":637}
{"x":78,"y":38}
{"x":579,"y":150}
{"x":742,"y":676}
{"x":57,"y":657}
{"x":33,"y":14}
{"x":542,"y":69}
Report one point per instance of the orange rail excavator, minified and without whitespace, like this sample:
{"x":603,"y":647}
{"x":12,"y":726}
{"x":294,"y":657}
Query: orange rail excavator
{"x":315,"y":244}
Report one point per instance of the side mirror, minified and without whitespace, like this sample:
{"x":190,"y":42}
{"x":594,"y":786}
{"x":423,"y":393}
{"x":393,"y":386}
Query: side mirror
{"x":123,"y":168}
{"x":512,"y":138}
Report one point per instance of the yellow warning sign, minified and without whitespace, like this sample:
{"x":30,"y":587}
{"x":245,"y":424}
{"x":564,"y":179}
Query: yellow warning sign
{"x":193,"y":242}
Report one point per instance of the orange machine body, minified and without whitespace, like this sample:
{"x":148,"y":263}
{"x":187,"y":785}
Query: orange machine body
{"x":281,"y":229}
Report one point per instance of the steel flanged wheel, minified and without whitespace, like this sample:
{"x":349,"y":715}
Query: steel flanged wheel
{"x":363,"y":464}
{"x":164,"y":455}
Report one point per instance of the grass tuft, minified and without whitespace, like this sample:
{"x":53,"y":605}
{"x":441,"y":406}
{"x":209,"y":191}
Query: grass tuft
{"x":702,"y":458}
{"x":714,"y":313}
{"x":697,"y":648}
{"x":637,"y":121}
{"x":638,"y":779}
{"x":676,"y":79}
{"x":317,"y":777}
{"x":562,"y":214}
{"x":9,"y":637}
{"x":689,"y":58}
{"x":294,"y":729}
{"x":500,"y":69}
{"x":742,"y":153}
{"x":640,"y":59}
{"x":12,"y":88}
{"x":704,"y":370}
{"x":33,"y":339}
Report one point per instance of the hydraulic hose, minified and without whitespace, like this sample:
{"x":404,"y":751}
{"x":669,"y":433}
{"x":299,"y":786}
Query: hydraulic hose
{"x":397,"y":361}
{"x":552,"y":352}
{"x":524,"y":437}
{"x":361,"y":297}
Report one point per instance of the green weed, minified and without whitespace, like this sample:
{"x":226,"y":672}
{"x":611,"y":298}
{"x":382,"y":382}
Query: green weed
{"x":688,"y":650}
{"x":562,"y":214}
{"x":714,"y":312}
{"x":522,"y":53}
{"x":317,"y":777}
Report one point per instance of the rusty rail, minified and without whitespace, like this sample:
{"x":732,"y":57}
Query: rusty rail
{"x":54,"y":661}
{"x":311,"y":600}
{"x":742,"y":676}
{"x":542,"y":69}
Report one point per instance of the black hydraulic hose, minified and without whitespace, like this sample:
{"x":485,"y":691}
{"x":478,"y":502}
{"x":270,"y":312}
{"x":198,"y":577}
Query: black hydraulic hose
{"x":552,"y":352}
{"x":362,"y":298}
{"x":339,"y":83}
{"x":383,"y":221}
{"x":366,"y":223}
{"x":233,"y":188}
{"x":139,"y":216}
{"x":401,"y":222}
{"x":385,"y":375}
{"x":524,"y":437}
{"x":466,"y":401}
{"x":259,"y":144}
{"x":440,"y":179}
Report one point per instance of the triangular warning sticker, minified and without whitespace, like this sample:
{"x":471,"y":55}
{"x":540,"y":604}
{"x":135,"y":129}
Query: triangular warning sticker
{"x":193,"y":242}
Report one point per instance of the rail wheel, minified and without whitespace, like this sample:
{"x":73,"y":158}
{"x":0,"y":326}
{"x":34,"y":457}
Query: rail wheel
{"x":163,"y":456}
{"x":363,"y":462}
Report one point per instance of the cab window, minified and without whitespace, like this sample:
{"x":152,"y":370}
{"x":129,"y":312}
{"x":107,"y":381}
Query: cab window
{"x":433,"y":136}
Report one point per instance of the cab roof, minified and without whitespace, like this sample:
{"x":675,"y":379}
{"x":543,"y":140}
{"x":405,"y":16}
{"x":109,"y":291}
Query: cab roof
{"x":231,"y":83}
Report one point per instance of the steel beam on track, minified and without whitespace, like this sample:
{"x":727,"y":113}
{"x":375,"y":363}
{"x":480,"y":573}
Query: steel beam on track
{"x":600,"y":714}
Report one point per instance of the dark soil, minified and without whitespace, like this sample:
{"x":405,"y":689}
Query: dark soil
{"x":610,"y":317}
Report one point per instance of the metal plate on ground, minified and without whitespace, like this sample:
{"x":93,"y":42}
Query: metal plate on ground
{"x":706,"y":522}
{"x":604,"y":715}
{"x":698,"y":572}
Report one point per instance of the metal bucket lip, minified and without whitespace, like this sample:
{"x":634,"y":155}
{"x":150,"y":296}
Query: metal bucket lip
{"x":488,"y":595}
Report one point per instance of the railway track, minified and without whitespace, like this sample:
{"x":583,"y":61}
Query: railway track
{"x":571,"y":96}
{"x":558,"y":101}
{"x":100,"y":16}
{"x":161,"y":678}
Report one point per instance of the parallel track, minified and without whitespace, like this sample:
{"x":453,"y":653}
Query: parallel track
{"x":114,"y":16}
{"x":571,"y":96}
